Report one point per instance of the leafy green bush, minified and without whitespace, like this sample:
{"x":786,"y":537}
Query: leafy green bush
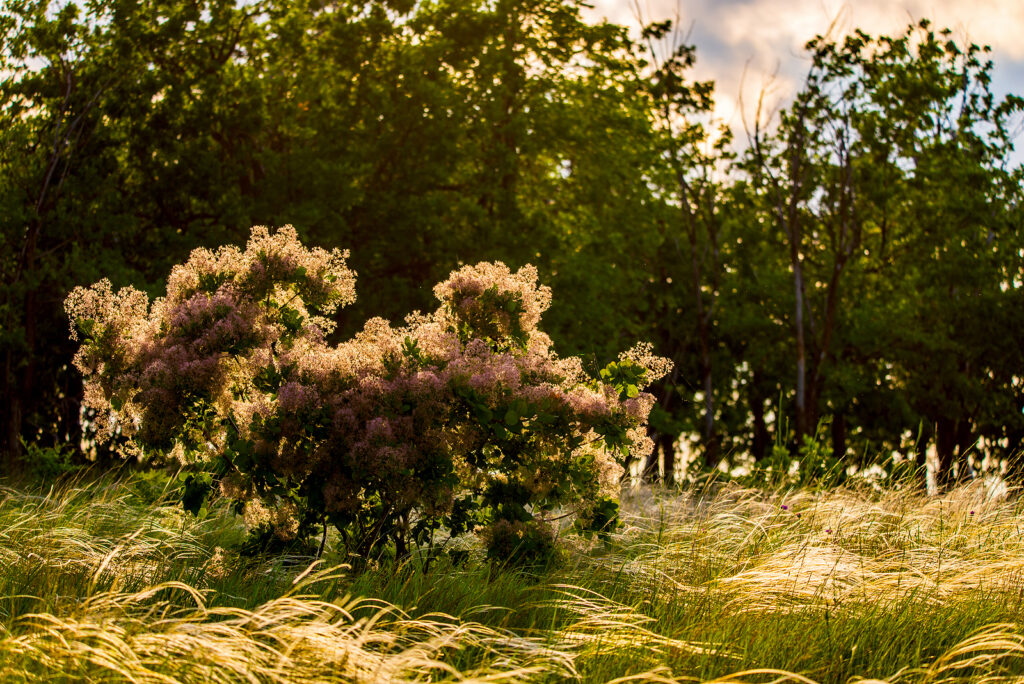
{"x":47,"y":463}
{"x":461,"y":419}
{"x":812,"y":465}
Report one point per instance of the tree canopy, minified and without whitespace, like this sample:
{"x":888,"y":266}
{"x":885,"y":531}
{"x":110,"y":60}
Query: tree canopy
{"x":857,"y":263}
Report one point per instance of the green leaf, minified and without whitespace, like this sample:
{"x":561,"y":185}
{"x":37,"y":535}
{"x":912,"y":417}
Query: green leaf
{"x":291,"y":319}
{"x":197,"y":487}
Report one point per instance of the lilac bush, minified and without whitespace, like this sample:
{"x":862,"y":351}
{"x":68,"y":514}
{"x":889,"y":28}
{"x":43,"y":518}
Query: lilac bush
{"x":462,"y":419}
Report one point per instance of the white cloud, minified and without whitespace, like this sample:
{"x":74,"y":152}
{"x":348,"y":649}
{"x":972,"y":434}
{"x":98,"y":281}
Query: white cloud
{"x":775,"y":24}
{"x":748,"y":45}
{"x":788,"y":24}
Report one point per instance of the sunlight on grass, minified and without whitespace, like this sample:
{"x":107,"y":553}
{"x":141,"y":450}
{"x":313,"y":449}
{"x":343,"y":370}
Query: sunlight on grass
{"x":106,"y":580}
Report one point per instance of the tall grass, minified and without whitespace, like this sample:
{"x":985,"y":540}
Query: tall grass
{"x":105,"y":579}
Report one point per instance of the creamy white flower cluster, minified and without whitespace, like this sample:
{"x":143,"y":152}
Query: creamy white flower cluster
{"x":232,"y":368}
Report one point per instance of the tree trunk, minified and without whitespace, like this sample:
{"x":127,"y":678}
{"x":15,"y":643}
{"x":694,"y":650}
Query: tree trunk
{"x":945,"y":445}
{"x":663,"y":443}
{"x":667,"y":446}
{"x":964,"y":441}
{"x":921,"y":449}
{"x":839,"y":436}
{"x":401,"y":548}
{"x":802,"y":426}
{"x":12,"y":446}
{"x":761,"y":441}
{"x":710,"y":438}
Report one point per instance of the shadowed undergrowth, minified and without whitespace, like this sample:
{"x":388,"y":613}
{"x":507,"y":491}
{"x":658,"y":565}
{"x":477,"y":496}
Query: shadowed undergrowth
{"x":106,"y":579}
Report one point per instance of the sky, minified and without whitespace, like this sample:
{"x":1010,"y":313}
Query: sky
{"x":749,"y":45}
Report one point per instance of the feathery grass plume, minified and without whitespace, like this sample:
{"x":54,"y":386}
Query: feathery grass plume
{"x":101,"y":581}
{"x":143,"y":638}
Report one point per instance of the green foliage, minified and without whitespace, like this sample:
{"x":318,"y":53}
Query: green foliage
{"x":195,"y":490}
{"x":47,"y":463}
{"x":626,"y":376}
{"x":515,"y":543}
{"x":603,"y":519}
{"x":813,"y":465}
{"x":462,"y":419}
{"x":818,"y":464}
{"x":886,"y":194}
{"x":871,"y":236}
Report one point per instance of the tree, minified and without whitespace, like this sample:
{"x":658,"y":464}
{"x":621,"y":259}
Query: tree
{"x":144,"y":130}
{"x":111,"y":162}
{"x":887,"y":181}
{"x":693,"y":156}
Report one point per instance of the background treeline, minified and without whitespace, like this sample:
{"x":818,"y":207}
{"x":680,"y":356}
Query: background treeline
{"x":853,"y":272}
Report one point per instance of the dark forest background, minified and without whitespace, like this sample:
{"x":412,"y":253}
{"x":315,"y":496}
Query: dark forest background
{"x":851,"y":271}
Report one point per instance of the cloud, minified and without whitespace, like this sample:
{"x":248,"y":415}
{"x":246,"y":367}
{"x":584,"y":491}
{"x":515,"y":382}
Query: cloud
{"x":747,"y":46}
{"x":788,"y":24}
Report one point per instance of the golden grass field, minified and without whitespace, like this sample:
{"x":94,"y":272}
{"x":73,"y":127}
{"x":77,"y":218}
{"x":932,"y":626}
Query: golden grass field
{"x":104,"y":579}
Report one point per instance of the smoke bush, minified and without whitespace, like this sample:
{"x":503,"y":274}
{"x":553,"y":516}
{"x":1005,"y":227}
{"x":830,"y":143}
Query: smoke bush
{"x":462,"y":419}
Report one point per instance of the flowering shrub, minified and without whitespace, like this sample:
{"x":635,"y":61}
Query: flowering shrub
{"x":462,"y":419}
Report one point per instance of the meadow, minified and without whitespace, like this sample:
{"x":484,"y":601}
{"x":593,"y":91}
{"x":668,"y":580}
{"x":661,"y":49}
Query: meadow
{"x":105,"y":578}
